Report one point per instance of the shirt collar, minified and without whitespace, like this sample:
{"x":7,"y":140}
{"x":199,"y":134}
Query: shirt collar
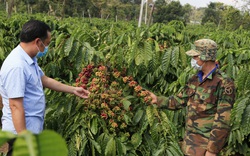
{"x":27,"y":58}
{"x":209,"y":76}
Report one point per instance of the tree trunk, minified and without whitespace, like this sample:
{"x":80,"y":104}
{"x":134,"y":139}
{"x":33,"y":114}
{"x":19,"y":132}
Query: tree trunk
{"x":140,"y":16}
{"x":63,"y":8}
{"x":89,"y":13}
{"x":150,"y":20}
{"x":9,"y":6}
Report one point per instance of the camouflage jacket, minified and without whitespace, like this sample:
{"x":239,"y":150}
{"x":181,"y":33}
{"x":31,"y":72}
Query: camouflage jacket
{"x":209,"y":103}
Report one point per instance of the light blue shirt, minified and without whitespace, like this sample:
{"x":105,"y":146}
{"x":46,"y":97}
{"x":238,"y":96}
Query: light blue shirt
{"x":20,"y":76}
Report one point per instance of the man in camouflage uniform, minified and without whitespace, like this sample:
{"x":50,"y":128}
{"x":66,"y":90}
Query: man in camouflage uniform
{"x":209,"y":97}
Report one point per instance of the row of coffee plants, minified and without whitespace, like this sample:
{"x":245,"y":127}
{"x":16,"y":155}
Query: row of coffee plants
{"x":119,"y":63}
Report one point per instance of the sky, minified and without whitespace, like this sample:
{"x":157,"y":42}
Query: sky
{"x":204,"y":3}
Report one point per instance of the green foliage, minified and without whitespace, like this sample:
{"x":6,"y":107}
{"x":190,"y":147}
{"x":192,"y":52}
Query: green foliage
{"x":47,"y":143}
{"x":155,"y":57}
{"x":238,"y":139}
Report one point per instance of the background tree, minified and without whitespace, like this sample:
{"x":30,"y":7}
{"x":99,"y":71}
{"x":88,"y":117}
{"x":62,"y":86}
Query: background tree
{"x":197,"y":15}
{"x":188,"y":10}
{"x":232,"y":18}
{"x":217,"y":14}
{"x":212,"y":14}
{"x":168,"y":12}
{"x":246,"y":21}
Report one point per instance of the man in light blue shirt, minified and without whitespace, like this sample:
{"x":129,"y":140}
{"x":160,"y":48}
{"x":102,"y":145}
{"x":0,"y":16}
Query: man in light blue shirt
{"x":20,"y":76}
{"x":22,"y":81}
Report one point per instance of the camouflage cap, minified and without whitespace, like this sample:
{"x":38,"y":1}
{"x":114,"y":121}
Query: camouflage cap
{"x":205,"y":48}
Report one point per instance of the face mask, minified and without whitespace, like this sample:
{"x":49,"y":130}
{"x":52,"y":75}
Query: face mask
{"x":195,"y":65}
{"x":41,"y":54}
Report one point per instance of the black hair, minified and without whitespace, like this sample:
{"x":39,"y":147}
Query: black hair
{"x":34,"y":29}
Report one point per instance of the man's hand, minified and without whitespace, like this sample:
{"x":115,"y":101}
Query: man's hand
{"x":154,"y":98}
{"x":210,"y":154}
{"x":79,"y":91}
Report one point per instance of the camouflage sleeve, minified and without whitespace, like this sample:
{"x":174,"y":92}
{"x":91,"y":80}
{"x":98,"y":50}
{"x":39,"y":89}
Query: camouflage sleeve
{"x":221,"y":126}
{"x":173,"y":102}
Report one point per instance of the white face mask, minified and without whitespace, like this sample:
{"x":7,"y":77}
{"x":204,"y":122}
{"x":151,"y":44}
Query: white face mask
{"x":195,"y":65}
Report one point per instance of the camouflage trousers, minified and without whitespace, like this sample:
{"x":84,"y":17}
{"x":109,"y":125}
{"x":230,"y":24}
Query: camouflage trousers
{"x":194,"y":144}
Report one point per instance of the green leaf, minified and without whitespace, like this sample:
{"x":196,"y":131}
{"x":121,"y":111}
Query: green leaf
{"x":103,"y":140}
{"x":139,"y":57}
{"x":78,"y":140}
{"x":156,"y":46}
{"x":129,"y":97}
{"x":96,"y":145}
{"x":149,"y":141}
{"x":25,"y":144}
{"x":175,"y":150}
{"x":154,"y":130}
{"x":241,"y":105}
{"x":132,"y":52}
{"x":183,"y":57}
{"x":74,"y":50}
{"x":110,"y":148}
{"x":138,"y":116}
{"x":1,"y":53}
{"x":148,"y":53}
{"x":51,"y":144}
{"x":94,"y":126}
{"x":230,"y":67}
{"x":47,"y":143}
{"x":246,"y":121}
{"x":6,"y":136}
{"x":59,"y":39}
{"x":159,"y":151}
{"x":126,"y":104}
{"x":83,"y":147}
{"x":167,"y":125}
{"x":129,"y":41}
{"x":247,"y":84}
{"x":175,"y":57}
{"x":144,"y":125}
{"x":166,"y":60}
{"x":150,"y":115}
{"x":79,"y":58}
{"x":72,"y":148}
{"x":121,"y":148}
{"x":127,"y":119}
{"x":182,"y":78}
{"x":68,"y":45}
{"x":136,"y":140}
{"x":169,"y":153}
{"x":89,"y":51}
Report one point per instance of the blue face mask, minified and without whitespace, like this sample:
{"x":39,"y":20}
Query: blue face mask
{"x":41,"y":54}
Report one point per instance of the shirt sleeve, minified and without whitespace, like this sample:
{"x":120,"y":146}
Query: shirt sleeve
{"x":221,"y":126}
{"x":14,"y":83}
{"x":174,"y":102}
{"x":41,"y":73}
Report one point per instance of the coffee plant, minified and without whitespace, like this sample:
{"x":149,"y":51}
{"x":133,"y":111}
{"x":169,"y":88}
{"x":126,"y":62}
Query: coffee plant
{"x":117,"y":117}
